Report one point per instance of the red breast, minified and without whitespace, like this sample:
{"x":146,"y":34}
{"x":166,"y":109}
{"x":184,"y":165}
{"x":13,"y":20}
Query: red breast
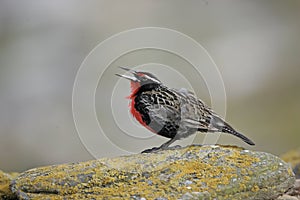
{"x":134,"y":89}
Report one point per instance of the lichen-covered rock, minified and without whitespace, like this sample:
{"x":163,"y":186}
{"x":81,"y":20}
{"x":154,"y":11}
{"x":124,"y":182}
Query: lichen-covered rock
{"x":194,"y":172}
{"x":293,"y":157}
{"x":5,"y":179}
{"x":287,"y":197}
{"x":293,"y":193}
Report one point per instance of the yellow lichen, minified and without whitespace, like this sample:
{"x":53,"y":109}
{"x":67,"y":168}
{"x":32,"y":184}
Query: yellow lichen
{"x":292,"y":157}
{"x":255,"y":188}
{"x":157,"y":176}
{"x":5,"y":180}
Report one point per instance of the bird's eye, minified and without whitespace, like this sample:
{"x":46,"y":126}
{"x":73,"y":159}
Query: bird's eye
{"x":143,"y":78}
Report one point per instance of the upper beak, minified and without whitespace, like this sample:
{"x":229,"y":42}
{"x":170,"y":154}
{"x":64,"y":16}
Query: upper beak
{"x":131,"y":78}
{"x":127,"y":69}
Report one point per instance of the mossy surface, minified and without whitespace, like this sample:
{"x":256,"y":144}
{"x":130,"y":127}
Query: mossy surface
{"x":293,"y":157}
{"x":5,"y":179}
{"x":206,"y":172}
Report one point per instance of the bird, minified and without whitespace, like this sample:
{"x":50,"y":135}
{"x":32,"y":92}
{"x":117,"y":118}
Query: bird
{"x":171,"y":113}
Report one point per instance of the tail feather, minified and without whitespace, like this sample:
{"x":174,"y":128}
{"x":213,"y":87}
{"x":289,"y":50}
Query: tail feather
{"x":222,"y":126}
{"x":226,"y":129}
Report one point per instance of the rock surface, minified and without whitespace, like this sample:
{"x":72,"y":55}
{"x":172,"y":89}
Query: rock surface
{"x":187,"y":173}
{"x":293,"y":157}
{"x":5,"y":179}
{"x":293,"y":193}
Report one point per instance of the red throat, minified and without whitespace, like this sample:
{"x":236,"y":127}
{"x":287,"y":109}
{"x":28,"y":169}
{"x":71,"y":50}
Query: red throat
{"x":134,"y":89}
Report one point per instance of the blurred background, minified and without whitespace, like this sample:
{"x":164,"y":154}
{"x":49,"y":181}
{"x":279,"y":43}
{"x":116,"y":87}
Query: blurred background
{"x":255,"y":44}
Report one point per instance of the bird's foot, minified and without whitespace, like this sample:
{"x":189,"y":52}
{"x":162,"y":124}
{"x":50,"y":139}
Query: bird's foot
{"x":156,"y":149}
{"x":173,"y":147}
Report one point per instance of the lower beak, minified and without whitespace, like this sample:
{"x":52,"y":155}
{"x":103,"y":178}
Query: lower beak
{"x":131,"y":78}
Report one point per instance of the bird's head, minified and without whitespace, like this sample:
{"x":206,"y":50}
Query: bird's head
{"x":140,"y":79}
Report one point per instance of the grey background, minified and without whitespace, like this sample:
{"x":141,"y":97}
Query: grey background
{"x":255,"y":44}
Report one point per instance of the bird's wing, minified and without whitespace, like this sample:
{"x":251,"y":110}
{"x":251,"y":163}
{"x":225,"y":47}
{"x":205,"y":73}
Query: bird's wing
{"x":193,"y":117}
{"x":164,"y":114}
{"x":163,"y":109}
{"x":196,"y":114}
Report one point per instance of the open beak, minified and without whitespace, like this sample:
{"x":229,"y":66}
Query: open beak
{"x":131,"y":78}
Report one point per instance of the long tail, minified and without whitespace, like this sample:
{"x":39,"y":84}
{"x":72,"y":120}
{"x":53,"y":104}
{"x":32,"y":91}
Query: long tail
{"x":230,"y":130}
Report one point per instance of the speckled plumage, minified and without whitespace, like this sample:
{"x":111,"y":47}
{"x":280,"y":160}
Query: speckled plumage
{"x":172,"y":113}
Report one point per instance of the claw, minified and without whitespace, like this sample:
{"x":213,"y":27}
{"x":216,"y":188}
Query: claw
{"x":153,"y":150}
{"x":157,"y":149}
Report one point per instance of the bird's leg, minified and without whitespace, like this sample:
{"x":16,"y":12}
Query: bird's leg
{"x":168,"y":143}
{"x":164,"y":146}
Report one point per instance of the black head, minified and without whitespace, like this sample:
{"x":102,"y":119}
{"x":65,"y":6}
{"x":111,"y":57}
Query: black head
{"x":140,"y":78}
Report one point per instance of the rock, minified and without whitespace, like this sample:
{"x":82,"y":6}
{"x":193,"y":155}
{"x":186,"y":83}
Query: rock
{"x":296,"y":170}
{"x":287,"y":197}
{"x":297,"y":185}
{"x":295,"y":191}
{"x":293,"y":157}
{"x":5,"y":192}
{"x":194,"y":172}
